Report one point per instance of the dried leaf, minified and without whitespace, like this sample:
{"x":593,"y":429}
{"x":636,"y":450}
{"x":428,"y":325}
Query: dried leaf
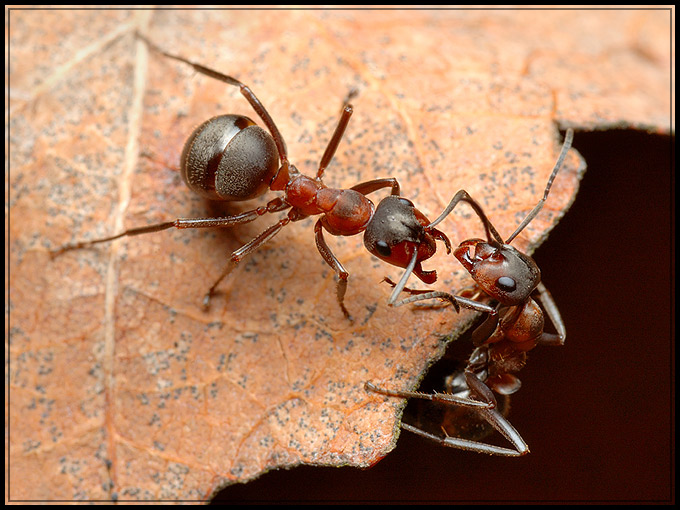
{"x":120,"y":385}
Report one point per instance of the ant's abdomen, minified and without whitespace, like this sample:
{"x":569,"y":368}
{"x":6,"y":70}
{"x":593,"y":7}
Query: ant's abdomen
{"x":229,"y":158}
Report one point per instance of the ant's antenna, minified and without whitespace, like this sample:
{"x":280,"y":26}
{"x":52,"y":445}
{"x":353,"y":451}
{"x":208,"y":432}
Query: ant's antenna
{"x":568,"y":138}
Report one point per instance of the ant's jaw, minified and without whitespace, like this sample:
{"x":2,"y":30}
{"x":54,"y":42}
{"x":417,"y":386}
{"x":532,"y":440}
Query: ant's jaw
{"x":464,"y":254}
{"x":428,"y":277}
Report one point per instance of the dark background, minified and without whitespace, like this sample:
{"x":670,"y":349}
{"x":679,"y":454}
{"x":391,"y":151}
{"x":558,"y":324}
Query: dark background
{"x":597,"y":413}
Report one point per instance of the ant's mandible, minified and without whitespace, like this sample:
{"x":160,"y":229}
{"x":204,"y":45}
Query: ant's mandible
{"x":230,"y":158}
{"x":514,"y":326}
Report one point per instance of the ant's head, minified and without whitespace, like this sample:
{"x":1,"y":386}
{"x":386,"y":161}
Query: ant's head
{"x":397,"y":230}
{"x":504,"y":273}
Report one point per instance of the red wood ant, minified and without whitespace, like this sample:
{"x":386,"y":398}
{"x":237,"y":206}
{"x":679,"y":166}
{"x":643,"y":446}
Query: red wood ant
{"x":230,"y":158}
{"x":513,"y":327}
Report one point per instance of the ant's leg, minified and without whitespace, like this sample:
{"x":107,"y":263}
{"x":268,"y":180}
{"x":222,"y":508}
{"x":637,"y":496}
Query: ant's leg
{"x":130,"y":232}
{"x":420,"y":295}
{"x":445,"y":398}
{"x":335,"y":140}
{"x":365,"y":187}
{"x":456,"y":301}
{"x":491,"y":415}
{"x":484,"y":405}
{"x":238,"y":255}
{"x":370,"y":186}
{"x":502,"y":425}
{"x":483,"y":332}
{"x":332,"y":261}
{"x":551,"y":310}
{"x":401,"y":284}
{"x":495,"y":419}
{"x":275,"y":205}
{"x":481,"y":391}
{"x":245,"y":90}
{"x":434,"y":304}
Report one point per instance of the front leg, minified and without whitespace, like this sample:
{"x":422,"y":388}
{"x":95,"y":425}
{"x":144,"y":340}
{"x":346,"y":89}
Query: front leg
{"x":441,"y":303}
{"x":335,"y":264}
{"x":456,"y":301}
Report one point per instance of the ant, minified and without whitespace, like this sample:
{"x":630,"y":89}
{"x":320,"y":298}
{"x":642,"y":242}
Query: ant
{"x":513,"y":327}
{"x":229,"y":158}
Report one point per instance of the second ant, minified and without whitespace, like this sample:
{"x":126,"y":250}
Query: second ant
{"x":514,"y":326}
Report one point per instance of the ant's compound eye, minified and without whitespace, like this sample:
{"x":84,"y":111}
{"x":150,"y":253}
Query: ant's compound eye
{"x":506,"y":284}
{"x":383,"y":248}
{"x":406,"y":202}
